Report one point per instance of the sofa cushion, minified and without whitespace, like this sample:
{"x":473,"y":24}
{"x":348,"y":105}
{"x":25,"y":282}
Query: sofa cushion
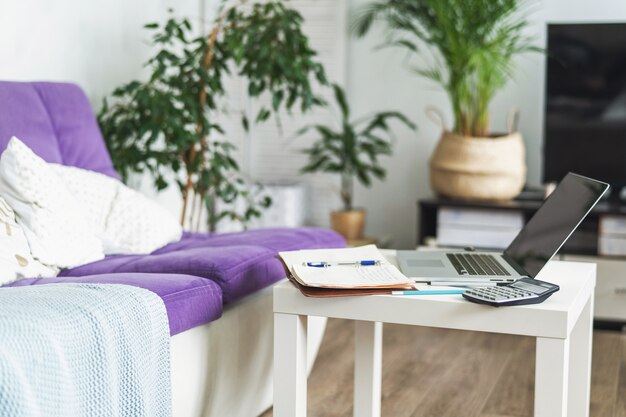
{"x":16,"y":260}
{"x":55,"y":120}
{"x":240,"y":263}
{"x":277,"y":239}
{"x":52,"y":219}
{"x":190,"y":301}
{"x":127,"y":221}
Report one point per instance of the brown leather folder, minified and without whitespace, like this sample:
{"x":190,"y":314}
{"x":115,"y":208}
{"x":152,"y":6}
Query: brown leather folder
{"x":341,"y":292}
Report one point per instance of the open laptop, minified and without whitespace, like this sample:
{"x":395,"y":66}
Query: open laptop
{"x":539,"y":240}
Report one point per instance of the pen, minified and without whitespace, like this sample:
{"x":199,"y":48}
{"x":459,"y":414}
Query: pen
{"x":427,"y":292}
{"x":366,"y":262}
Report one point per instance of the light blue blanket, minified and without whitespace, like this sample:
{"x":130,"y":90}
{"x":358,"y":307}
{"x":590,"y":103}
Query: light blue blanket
{"x":83,"y":350}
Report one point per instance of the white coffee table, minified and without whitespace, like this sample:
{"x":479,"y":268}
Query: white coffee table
{"x":562,"y":326}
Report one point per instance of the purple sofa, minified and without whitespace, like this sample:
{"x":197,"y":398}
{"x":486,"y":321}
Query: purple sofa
{"x":197,"y":276}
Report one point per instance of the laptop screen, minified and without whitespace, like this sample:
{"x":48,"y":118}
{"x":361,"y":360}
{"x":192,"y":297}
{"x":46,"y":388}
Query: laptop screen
{"x":554,"y":222}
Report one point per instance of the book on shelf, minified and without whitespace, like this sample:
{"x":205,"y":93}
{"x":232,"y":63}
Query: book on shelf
{"x":480,"y":217}
{"x":337,"y":272}
{"x":482,"y":228}
{"x":612,"y":235}
{"x":612,"y":246}
{"x":612,"y":225}
{"x":480,"y":238}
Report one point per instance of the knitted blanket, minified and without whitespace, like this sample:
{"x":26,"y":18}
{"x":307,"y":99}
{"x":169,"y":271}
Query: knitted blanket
{"x":83,"y":350}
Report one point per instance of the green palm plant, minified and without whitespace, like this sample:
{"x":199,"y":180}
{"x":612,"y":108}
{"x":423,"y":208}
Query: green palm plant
{"x":353,"y":149}
{"x":474,"y":43}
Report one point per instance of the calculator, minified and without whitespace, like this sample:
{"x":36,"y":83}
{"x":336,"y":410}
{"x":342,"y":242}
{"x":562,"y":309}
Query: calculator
{"x":523,"y":291}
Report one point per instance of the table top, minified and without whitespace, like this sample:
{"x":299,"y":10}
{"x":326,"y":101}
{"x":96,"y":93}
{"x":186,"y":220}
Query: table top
{"x":555,"y":317}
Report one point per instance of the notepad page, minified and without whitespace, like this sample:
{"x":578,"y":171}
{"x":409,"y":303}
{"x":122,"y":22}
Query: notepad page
{"x":384,"y":275}
{"x":298,"y":257}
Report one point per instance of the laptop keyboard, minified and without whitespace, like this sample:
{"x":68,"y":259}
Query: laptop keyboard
{"x":476,"y":264}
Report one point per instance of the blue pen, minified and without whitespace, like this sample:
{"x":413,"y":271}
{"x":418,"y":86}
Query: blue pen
{"x":366,"y":262}
{"x":427,"y":292}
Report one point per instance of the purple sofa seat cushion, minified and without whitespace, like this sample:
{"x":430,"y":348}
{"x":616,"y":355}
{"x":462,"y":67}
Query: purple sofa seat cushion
{"x":240,"y":263}
{"x":276,"y":239}
{"x":190,"y":301}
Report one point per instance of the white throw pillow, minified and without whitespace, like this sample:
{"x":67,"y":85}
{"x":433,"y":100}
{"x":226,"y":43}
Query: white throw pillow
{"x":128,"y":222}
{"x":53,"y":222}
{"x":137,"y":224}
{"x":16,"y":261}
{"x":94,"y":192}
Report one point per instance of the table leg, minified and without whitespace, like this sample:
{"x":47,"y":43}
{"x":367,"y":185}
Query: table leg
{"x":551,"y":377}
{"x":367,"y":368}
{"x":290,"y":367}
{"x":580,"y":363}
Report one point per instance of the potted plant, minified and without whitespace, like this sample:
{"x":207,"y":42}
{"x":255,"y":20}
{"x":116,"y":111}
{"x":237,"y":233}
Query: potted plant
{"x":352,"y":151}
{"x":169,"y":124}
{"x":473,"y":44}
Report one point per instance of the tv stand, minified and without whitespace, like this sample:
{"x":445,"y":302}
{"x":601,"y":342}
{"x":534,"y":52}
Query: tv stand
{"x":581,"y":246}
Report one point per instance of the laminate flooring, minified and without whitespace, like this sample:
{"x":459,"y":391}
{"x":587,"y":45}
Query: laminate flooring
{"x":430,"y":372}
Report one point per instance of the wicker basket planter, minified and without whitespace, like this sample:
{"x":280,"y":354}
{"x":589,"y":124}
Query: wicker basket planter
{"x":470,"y":168}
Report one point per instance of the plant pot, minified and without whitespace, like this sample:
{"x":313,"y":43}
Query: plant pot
{"x":470,"y":168}
{"x":349,"y":224}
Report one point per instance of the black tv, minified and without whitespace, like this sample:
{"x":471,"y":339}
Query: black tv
{"x":585,"y":106}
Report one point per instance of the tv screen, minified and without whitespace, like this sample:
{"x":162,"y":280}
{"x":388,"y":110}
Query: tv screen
{"x":585,"y":113}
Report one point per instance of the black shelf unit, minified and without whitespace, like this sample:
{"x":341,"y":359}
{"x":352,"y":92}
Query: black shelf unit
{"x":584,"y":241}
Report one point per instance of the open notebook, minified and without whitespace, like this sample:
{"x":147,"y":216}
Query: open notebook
{"x":379,"y":278}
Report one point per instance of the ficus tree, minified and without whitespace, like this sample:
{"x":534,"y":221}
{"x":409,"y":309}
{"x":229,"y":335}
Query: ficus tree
{"x":169,"y":124}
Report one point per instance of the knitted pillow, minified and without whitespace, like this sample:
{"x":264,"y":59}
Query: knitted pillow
{"x":16,"y":261}
{"x":53,"y":222}
{"x":127,"y":221}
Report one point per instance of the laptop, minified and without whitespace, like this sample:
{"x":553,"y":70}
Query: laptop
{"x":537,"y":242}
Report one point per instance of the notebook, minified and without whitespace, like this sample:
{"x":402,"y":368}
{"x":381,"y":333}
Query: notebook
{"x":382,"y":276}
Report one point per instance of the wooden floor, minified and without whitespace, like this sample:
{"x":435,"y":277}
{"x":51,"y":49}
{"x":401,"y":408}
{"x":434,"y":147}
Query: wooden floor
{"x":446,"y":373}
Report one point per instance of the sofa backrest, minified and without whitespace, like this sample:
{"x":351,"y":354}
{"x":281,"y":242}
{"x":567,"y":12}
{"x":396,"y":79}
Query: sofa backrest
{"x":56,"y":121}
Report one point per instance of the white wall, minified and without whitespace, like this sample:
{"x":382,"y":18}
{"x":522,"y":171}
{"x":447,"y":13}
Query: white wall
{"x":379,"y":80}
{"x":100,"y":44}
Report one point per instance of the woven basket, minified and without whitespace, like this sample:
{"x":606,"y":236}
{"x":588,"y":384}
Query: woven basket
{"x":470,"y":168}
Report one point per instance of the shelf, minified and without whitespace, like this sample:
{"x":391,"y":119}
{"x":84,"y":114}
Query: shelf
{"x":584,"y":241}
